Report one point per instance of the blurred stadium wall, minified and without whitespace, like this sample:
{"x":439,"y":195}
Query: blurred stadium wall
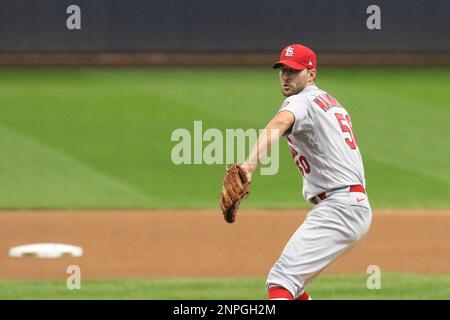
{"x":214,"y":32}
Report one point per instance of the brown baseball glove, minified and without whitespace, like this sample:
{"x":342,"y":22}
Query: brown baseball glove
{"x":236,"y":186}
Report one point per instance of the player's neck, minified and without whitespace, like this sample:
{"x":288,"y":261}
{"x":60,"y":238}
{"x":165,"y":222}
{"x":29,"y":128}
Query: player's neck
{"x":309,"y":85}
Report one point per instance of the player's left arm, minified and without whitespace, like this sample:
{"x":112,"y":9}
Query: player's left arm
{"x":270,"y":135}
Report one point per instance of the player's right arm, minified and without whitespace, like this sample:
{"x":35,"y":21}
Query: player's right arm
{"x":270,"y":135}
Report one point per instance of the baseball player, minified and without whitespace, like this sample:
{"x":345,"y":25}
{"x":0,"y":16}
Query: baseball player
{"x":320,"y":137}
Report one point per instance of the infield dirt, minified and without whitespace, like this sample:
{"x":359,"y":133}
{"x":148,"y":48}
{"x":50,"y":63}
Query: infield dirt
{"x":193,"y":243}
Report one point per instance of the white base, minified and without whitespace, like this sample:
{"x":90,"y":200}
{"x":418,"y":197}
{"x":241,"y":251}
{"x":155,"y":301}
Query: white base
{"x":46,"y":251}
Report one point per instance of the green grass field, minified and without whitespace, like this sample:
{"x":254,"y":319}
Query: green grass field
{"x":393,"y":286}
{"x":100,"y":138}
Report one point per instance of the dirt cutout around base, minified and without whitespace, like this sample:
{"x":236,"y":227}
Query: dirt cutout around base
{"x":187,"y":244}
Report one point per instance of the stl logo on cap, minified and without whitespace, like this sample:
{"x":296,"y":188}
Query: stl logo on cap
{"x":289,"y":52}
{"x":298,"y":57}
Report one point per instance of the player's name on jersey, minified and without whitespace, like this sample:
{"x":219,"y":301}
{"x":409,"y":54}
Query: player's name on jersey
{"x":215,"y":146}
{"x":326,"y":102}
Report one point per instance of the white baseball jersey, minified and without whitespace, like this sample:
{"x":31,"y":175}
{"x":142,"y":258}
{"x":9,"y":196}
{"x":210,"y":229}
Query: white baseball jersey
{"x":322,"y":142}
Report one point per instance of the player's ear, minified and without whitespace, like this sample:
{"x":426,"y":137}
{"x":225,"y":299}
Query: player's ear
{"x":312,"y":74}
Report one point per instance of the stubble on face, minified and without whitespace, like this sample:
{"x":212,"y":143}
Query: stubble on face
{"x":292,"y":81}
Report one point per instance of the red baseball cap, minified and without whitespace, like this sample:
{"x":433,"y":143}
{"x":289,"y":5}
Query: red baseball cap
{"x":297,"y":57}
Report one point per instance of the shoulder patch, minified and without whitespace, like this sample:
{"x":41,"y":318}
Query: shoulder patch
{"x":285,"y":104}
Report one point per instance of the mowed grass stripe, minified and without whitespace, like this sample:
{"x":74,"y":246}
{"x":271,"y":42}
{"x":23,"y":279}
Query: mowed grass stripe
{"x":68,"y":183}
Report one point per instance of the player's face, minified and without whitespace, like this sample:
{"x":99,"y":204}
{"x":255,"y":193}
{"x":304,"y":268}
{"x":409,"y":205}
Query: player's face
{"x":293,"y":81}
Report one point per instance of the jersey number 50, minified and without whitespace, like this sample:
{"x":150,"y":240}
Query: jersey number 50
{"x":301,"y":162}
{"x":346,"y":126}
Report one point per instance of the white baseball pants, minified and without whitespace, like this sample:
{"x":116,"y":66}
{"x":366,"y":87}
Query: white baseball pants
{"x":332,"y":228}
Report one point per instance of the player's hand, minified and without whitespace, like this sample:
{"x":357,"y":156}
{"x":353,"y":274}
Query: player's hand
{"x":249,"y":169}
